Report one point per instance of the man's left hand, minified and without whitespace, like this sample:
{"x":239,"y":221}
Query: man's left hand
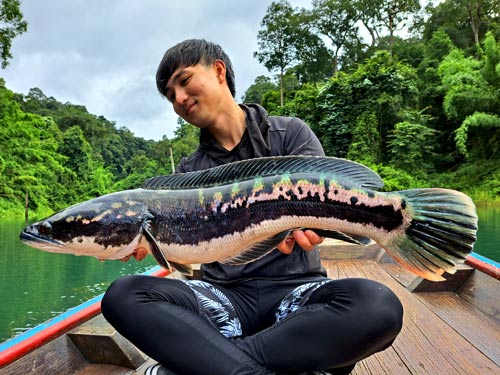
{"x":305,"y":239}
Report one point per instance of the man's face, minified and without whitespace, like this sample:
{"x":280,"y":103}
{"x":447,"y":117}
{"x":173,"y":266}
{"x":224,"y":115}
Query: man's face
{"x":195,"y":93}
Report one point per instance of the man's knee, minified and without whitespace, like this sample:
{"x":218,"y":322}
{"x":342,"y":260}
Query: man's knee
{"x":384,"y":308}
{"x":367,"y":301}
{"x":118,"y":295}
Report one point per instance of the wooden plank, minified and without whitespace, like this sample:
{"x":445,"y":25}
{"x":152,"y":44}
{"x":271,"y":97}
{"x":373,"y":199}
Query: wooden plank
{"x":100,"y":343}
{"x":334,"y":249}
{"x":332,"y":269}
{"x":399,"y":273}
{"x":104,"y":370}
{"x":140,"y":370}
{"x":427,"y":344}
{"x":452,"y":283}
{"x":59,"y":358}
{"x":386,"y":362}
{"x":479,"y":329}
{"x":483,"y":291}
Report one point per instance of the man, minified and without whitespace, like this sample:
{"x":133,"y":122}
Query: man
{"x":277,"y":315}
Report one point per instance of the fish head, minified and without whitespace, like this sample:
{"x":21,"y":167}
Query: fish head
{"x":108,"y":227}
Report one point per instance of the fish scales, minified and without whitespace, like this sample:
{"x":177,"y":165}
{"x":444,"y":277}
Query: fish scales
{"x":239,"y":212}
{"x":225,"y":212}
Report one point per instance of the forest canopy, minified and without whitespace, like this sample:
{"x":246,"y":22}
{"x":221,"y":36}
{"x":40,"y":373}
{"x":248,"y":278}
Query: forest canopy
{"x":422,"y":108}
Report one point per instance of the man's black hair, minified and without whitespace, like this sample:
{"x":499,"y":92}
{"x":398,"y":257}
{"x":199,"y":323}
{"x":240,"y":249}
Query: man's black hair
{"x":188,"y":53}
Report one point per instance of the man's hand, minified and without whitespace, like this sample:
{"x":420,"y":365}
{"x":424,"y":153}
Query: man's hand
{"x":138,"y":254}
{"x":305,"y":239}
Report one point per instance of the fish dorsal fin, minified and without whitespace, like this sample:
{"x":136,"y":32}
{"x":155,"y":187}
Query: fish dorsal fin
{"x":355,"y":173}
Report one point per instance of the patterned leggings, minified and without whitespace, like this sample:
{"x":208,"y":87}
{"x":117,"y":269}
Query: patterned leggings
{"x":254,"y":327}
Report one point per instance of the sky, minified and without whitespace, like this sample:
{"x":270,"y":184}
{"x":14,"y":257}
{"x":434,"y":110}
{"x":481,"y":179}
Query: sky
{"x":103,"y":54}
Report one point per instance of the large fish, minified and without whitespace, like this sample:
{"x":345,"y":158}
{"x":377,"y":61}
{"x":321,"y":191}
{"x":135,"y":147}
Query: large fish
{"x":238,"y":212}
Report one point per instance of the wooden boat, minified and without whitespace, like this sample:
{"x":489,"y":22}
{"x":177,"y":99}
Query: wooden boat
{"x":452,"y":327}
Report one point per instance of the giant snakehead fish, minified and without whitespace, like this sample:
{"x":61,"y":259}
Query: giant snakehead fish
{"x":238,"y":212}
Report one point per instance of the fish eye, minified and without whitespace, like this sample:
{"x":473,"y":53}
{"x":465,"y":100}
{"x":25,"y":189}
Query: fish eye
{"x":45,"y":227}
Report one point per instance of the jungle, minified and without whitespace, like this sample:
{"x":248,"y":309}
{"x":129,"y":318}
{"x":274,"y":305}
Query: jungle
{"x":421,"y":108}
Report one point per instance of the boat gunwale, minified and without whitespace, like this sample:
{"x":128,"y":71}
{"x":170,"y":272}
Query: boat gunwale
{"x":32,"y":339}
{"x":484,"y":264}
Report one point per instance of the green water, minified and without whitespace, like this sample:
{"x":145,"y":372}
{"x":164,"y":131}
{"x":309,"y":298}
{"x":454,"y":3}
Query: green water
{"x":36,"y":286}
{"x":488,"y":236}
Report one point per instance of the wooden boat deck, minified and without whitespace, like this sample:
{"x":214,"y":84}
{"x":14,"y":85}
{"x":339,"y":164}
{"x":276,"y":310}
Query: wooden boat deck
{"x":444,"y":332}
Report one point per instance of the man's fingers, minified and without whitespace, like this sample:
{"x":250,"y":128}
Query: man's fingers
{"x":313,"y":237}
{"x":307,"y":239}
{"x":286,"y":246}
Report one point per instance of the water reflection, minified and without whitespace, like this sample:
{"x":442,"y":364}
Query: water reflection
{"x":36,"y":285}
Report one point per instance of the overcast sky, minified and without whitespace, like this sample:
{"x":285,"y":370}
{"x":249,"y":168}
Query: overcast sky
{"x":103,"y":54}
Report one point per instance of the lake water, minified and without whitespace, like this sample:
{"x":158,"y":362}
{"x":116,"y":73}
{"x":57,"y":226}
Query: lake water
{"x":36,"y":286}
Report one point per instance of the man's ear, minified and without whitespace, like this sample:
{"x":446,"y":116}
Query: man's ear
{"x":220,"y":70}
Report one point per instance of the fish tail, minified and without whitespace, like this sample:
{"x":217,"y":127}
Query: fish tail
{"x":441,"y":232}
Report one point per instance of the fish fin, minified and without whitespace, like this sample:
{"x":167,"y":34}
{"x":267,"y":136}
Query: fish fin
{"x":357,"y":174}
{"x":440,"y":235}
{"x":155,"y":247}
{"x":257,"y":251}
{"x":336,"y":235}
{"x":185,"y":269}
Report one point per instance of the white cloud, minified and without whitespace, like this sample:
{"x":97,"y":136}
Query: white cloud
{"x":103,"y":54}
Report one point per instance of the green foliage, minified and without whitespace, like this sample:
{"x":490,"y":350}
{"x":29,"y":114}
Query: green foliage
{"x":278,"y":39}
{"x":302,"y":104}
{"x":11,"y":25}
{"x":382,"y":88}
{"x":397,"y":179}
{"x":335,"y":20}
{"x":411,"y":146}
{"x":365,"y":145}
{"x":421,"y":110}
{"x":61,"y":154}
{"x":30,"y":161}
{"x":485,"y":130}
{"x":466,"y":89}
{"x":256,"y":91}
{"x":424,"y":114}
{"x":491,"y":65}
{"x":465,"y":21}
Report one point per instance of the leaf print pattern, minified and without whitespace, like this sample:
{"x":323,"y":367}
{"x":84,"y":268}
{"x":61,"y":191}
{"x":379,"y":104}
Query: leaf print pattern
{"x":297,"y":298}
{"x":216,"y":308}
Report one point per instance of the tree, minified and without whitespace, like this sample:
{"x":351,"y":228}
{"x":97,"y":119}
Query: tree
{"x":466,"y":91}
{"x":257,"y":89}
{"x":336,"y":20}
{"x":11,"y":25}
{"x":411,"y":146}
{"x":394,"y":15}
{"x":30,"y":161}
{"x":315,"y":61}
{"x":277,"y":40}
{"x":368,"y":15}
{"x":465,"y":21}
{"x":479,"y":14}
{"x":186,"y":140}
{"x":383,"y":89}
{"x":479,"y":135}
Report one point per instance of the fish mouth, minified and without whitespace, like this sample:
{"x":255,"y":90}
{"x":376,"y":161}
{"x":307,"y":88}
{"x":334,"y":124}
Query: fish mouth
{"x":32,"y":237}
